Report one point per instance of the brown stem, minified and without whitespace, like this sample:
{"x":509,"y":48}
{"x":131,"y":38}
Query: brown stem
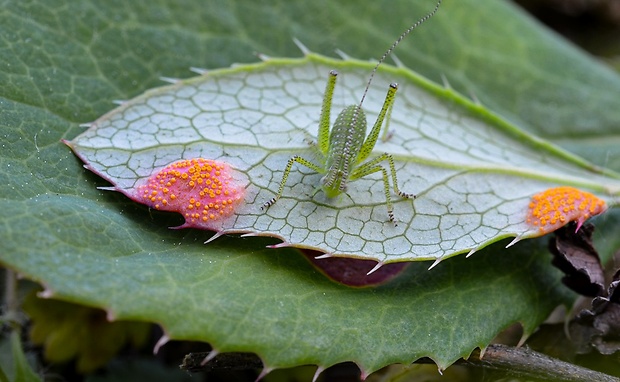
{"x":518,"y":362}
{"x":524,"y":362}
{"x":11,"y":314}
{"x":192,"y":362}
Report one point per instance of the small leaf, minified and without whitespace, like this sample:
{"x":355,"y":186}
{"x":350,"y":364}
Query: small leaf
{"x":599,"y":328}
{"x":69,"y":331}
{"x":355,"y":272}
{"x":575,"y":255}
{"x":21,"y":368}
{"x":474,"y":173}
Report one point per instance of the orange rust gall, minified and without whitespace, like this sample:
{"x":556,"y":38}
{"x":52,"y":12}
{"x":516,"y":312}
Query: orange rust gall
{"x":180,"y":187}
{"x":556,"y":207}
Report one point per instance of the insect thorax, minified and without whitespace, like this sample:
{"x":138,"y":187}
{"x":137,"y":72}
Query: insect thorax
{"x":345,"y":141}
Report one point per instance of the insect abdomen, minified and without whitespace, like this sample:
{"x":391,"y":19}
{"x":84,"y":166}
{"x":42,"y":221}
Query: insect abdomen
{"x":345,"y":141}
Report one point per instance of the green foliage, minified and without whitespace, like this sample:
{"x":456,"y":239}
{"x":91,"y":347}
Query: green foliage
{"x":14,"y":366}
{"x":239,"y":297}
{"x":62,"y":63}
{"x":68,"y":331}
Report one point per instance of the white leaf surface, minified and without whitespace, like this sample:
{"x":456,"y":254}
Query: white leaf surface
{"x":473,"y":173}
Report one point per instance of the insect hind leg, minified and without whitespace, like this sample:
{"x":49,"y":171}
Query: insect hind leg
{"x":373,"y":166}
{"x":287,"y":171}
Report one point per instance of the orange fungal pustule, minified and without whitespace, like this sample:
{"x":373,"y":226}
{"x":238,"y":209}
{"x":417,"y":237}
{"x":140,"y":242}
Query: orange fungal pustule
{"x":556,"y":207}
{"x":202,"y":190}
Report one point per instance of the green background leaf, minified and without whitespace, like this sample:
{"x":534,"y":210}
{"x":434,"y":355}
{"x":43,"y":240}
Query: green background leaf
{"x":239,"y":297}
{"x":62,"y":64}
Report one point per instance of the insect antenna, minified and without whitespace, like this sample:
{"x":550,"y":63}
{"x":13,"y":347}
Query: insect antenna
{"x":398,"y":40}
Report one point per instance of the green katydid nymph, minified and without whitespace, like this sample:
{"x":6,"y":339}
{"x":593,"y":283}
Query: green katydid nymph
{"x":344,"y":150}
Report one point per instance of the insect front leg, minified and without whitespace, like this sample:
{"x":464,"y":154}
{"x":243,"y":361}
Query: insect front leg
{"x":371,"y":140}
{"x":323,"y":142}
{"x":287,"y":171}
{"x":387,"y":133}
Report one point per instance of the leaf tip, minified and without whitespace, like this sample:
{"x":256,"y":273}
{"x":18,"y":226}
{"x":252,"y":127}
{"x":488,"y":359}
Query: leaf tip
{"x":107,"y":188}
{"x":199,"y":71}
{"x":446,"y":83}
{"x":317,"y":373}
{"x":110,"y":315}
{"x":514,"y":241}
{"x":473,"y":250}
{"x":279,"y":245}
{"x":375,"y":268}
{"x":209,"y":357}
{"x":217,"y":235}
{"x":45,"y":293}
{"x":68,"y":143}
{"x":161,"y":342}
{"x":323,"y":256}
{"x":343,"y":55}
{"x":398,"y":62}
{"x":521,"y":342}
{"x":304,"y":49}
{"x":435,"y":263}
{"x":266,"y":370}
{"x":475,"y":98}
{"x":263,"y":57}
{"x":169,"y":80}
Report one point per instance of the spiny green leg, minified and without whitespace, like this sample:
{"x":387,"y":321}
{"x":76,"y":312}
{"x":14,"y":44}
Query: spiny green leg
{"x":287,"y":171}
{"x":323,"y":142}
{"x":315,"y":149}
{"x":386,"y":189}
{"x":387,"y":134}
{"x":372,"y":167}
{"x":371,"y":140}
{"x":362,"y":171}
